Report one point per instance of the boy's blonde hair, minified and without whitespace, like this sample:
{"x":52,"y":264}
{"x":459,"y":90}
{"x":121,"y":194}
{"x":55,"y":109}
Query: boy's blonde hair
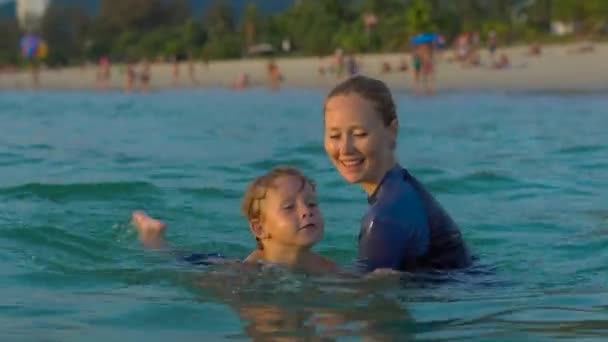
{"x":256,"y":192}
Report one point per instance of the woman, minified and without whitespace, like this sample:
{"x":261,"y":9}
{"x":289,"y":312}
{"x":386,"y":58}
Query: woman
{"x":404,"y":228}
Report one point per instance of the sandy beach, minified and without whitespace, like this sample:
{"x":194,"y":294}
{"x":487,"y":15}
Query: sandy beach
{"x":556,"y":69}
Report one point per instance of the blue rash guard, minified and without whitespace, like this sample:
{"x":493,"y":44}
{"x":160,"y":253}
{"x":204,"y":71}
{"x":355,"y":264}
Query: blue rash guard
{"x":406,"y":229}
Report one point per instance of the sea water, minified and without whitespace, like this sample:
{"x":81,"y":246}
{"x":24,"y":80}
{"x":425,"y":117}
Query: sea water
{"x":524,"y":175}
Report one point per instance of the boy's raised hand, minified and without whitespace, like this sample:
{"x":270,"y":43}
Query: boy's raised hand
{"x":151,"y":231}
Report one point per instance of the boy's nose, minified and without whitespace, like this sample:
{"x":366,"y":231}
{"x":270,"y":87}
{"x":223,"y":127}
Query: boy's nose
{"x":305,"y":211}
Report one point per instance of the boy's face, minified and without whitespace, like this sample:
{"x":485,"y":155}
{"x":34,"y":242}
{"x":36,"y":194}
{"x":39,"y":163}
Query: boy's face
{"x":290,"y":215}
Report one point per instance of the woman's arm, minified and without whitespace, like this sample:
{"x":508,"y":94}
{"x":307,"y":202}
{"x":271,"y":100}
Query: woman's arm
{"x":388,"y":244}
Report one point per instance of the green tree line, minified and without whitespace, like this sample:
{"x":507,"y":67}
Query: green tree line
{"x":135,"y":29}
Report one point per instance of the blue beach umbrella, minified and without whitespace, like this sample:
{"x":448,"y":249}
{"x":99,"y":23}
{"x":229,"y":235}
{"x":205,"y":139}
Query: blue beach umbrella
{"x":425,"y":38}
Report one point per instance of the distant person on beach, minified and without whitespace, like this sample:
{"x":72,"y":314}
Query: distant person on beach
{"x":130,"y":77}
{"x":33,"y":50}
{"x":145,"y":76}
{"x":475,"y":43}
{"x":503,"y":62}
{"x":462,"y":47}
{"x":352,"y":66}
{"x":585,"y":48}
{"x":284,"y":218}
{"x":206,"y":60}
{"x":492,"y":44}
{"x":385,"y":67}
{"x":274,"y":75}
{"x":417,"y":69}
{"x":339,"y":62}
{"x":424,"y":68}
{"x":321,"y":69}
{"x":403,"y":65}
{"x":535,"y":50}
{"x":104,"y":72}
{"x":242,"y":82}
{"x":175,"y":64}
{"x":192,"y":69}
{"x":35,"y":71}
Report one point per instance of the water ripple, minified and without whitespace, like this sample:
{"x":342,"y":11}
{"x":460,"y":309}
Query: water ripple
{"x":529,"y":194}
{"x":79,"y":191}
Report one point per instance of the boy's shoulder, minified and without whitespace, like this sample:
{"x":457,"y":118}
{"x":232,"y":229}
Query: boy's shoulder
{"x":254,"y":257}
{"x":324,"y":264}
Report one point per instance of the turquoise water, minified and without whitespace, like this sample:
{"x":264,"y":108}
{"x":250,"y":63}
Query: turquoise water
{"x":524,"y":175}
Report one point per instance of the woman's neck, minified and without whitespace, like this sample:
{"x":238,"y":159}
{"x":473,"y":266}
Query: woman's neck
{"x":371,"y":186}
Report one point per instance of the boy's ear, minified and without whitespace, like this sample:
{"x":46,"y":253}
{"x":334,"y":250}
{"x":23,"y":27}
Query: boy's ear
{"x":256,"y":228}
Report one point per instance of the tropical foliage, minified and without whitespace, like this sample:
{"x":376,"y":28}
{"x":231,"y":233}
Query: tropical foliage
{"x":133,"y":29}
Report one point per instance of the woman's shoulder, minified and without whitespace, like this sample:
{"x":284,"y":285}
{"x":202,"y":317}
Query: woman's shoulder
{"x":399,"y":196}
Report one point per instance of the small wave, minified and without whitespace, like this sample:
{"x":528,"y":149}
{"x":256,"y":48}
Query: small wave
{"x":268,"y":164}
{"x":171,"y":175}
{"x":593,"y":166}
{"x":211,"y":193}
{"x":20,"y":161}
{"x":579,"y":149}
{"x":12,"y":159}
{"x":481,"y":181}
{"x":226,"y":169}
{"x":485,"y":182}
{"x":125,"y":159}
{"x":307,"y":149}
{"x":576,"y":191}
{"x":9,"y":155}
{"x":598,"y":214}
{"x":427,"y":171}
{"x":340,"y":199}
{"x":43,"y":147}
{"x":335,"y":184}
{"x":39,"y":147}
{"x":523,"y":195}
{"x":56,"y":243}
{"x":80,"y":191}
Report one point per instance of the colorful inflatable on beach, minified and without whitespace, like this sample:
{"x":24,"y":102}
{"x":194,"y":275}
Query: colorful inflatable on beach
{"x":33,"y":47}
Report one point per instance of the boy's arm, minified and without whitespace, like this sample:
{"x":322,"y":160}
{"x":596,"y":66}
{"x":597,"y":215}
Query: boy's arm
{"x":153,"y":241}
{"x":151,"y":231}
{"x":152,"y":236}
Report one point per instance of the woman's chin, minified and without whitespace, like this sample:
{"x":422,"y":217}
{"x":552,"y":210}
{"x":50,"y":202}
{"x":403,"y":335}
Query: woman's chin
{"x":352,"y":178}
{"x":353,"y":175}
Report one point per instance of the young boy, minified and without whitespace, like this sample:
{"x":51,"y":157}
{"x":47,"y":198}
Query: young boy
{"x":281,"y":207}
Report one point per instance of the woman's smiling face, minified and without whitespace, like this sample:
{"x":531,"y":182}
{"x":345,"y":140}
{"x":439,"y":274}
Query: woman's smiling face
{"x":357,"y":141}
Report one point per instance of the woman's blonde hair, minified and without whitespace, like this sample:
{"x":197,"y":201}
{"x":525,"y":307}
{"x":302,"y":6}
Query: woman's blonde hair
{"x":256,"y":192}
{"x":372,"y":90}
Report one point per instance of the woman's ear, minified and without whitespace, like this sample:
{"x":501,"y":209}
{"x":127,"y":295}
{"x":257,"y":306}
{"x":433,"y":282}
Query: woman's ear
{"x":256,"y":228}
{"x":393,"y":128}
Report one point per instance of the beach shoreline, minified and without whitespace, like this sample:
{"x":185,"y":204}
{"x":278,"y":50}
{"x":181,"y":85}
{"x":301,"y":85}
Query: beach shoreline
{"x":556,"y":69}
